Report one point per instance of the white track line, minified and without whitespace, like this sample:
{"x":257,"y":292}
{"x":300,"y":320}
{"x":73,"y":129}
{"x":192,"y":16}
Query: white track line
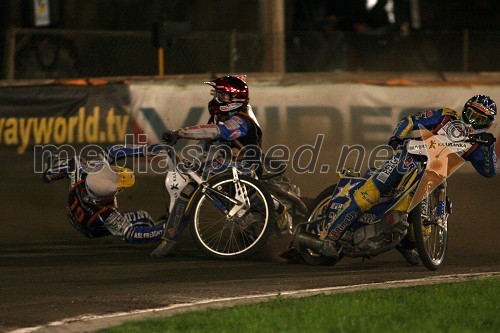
{"x":100,"y":321}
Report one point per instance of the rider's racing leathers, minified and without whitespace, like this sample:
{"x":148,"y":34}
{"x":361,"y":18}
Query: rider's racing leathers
{"x":482,"y":157}
{"x":240,"y":132}
{"x":96,"y":218}
{"x":101,"y":218}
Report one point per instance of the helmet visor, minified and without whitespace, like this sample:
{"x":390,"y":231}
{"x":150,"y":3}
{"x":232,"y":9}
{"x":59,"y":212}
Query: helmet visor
{"x":476,"y":118}
{"x":221,"y":96}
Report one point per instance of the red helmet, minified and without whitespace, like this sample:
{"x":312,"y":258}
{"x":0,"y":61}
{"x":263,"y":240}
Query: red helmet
{"x":230,"y":94}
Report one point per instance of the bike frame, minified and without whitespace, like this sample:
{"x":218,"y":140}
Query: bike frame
{"x":178,"y":177}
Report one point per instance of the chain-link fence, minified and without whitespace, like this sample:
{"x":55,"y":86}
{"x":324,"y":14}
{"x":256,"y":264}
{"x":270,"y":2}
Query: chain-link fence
{"x":58,"y":54}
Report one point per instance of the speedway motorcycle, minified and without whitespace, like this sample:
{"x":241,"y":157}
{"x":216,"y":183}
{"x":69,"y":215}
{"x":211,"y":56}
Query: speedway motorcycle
{"x":417,"y":208}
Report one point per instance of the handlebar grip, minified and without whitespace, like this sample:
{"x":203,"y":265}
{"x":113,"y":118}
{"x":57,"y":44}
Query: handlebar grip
{"x":478,"y":140}
{"x":170,"y":137}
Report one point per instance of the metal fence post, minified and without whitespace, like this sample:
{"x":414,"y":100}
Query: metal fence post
{"x":10,"y":54}
{"x":273,"y":13}
{"x":161,"y":61}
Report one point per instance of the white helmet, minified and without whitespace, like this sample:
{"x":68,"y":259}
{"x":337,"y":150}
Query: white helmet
{"x":108,"y":181}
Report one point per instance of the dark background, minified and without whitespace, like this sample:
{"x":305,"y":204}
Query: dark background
{"x":226,"y":36}
{"x":243,"y":15}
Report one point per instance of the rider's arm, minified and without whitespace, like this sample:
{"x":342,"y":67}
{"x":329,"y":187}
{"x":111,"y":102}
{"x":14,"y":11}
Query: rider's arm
{"x":429,"y":119}
{"x":484,"y":160}
{"x":200,"y":132}
{"x":56,"y":169}
{"x":230,"y":129}
{"x":117,"y":152}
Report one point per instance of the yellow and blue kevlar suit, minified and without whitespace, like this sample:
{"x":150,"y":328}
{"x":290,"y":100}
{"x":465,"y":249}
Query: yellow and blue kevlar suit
{"x":391,"y":172}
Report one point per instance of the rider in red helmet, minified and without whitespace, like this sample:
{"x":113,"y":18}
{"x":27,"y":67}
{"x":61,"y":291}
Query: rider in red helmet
{"x":233,"y":124}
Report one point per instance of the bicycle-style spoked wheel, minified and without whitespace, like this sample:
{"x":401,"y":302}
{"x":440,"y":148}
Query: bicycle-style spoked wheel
{"x":224,"y":229}
{"x":430,"y":233}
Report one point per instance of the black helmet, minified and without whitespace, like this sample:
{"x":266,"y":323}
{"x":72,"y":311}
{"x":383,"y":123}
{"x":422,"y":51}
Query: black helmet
{"x":479,"y":111}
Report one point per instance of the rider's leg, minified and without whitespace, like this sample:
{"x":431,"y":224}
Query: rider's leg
{"x":411,"y":255}
{"x":134,"y":226}
{"x":175,"y":225}
{"x":144,"y":229}
{"x":407,"y":250}
{"x":364,"y":198}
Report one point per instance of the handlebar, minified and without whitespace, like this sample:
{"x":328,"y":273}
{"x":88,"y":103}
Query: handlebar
{"x":477,"y":139}
{"x":470,"y":139}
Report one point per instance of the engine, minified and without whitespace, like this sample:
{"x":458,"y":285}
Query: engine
{"x":377,"y":233}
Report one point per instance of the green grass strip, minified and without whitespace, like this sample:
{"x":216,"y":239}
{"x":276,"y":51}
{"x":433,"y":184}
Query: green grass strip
{"x":472,"y":306}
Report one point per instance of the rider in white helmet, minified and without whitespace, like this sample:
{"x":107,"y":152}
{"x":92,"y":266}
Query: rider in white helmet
{"x":92,"y":205}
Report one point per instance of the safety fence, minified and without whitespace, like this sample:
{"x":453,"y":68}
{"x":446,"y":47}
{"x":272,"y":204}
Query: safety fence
{"x":57,"y":54}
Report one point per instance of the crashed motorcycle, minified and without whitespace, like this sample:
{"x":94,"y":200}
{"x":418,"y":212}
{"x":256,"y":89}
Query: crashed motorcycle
{"x":416,"y":209}
{"x":230,"y":214}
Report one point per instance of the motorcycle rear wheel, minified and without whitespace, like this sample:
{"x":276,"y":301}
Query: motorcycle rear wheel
{"x":223,"y":237}
{"x":315,"y":212}
{"x":431,"y":237}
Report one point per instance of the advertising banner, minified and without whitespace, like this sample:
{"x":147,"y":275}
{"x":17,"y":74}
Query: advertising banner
{"x":50,"y":117}
{"x":347,"y":113}
{"x":38,"y":119}
{"x":62,"y":115}
{"x":323,"y":119}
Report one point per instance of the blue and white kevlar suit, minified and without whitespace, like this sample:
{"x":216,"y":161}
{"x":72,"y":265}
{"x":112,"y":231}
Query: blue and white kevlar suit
{"x":241,"y":133}
{"x":391,"y":172}
{"x":97,"y":217}
{"x":101,"y":218}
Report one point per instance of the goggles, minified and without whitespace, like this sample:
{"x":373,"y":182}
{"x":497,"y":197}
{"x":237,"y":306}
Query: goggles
{"x":221,"y":97}
{"x":476,"y":118}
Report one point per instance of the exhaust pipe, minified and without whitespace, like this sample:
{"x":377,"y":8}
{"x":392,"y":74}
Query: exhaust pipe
{"x":313,"y":242}
{"x":309,"y":241}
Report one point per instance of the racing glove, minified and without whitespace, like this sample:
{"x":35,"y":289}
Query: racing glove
{"x":486,"y":139}
{"x":395,"y":142}
{"x":170,"y":137}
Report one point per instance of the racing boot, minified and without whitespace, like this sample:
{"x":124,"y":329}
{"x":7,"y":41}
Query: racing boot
{"x":164,"y":249}
{"x":411,"y":256}
{"x":327,"y":249}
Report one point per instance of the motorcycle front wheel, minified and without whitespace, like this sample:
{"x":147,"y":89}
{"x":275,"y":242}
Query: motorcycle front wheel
{"x":317,"y":211}
{"x":221,"y":236}
{"x":430,"y":234}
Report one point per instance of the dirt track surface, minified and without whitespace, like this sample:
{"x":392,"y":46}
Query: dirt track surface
{"x":48,"y":272}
